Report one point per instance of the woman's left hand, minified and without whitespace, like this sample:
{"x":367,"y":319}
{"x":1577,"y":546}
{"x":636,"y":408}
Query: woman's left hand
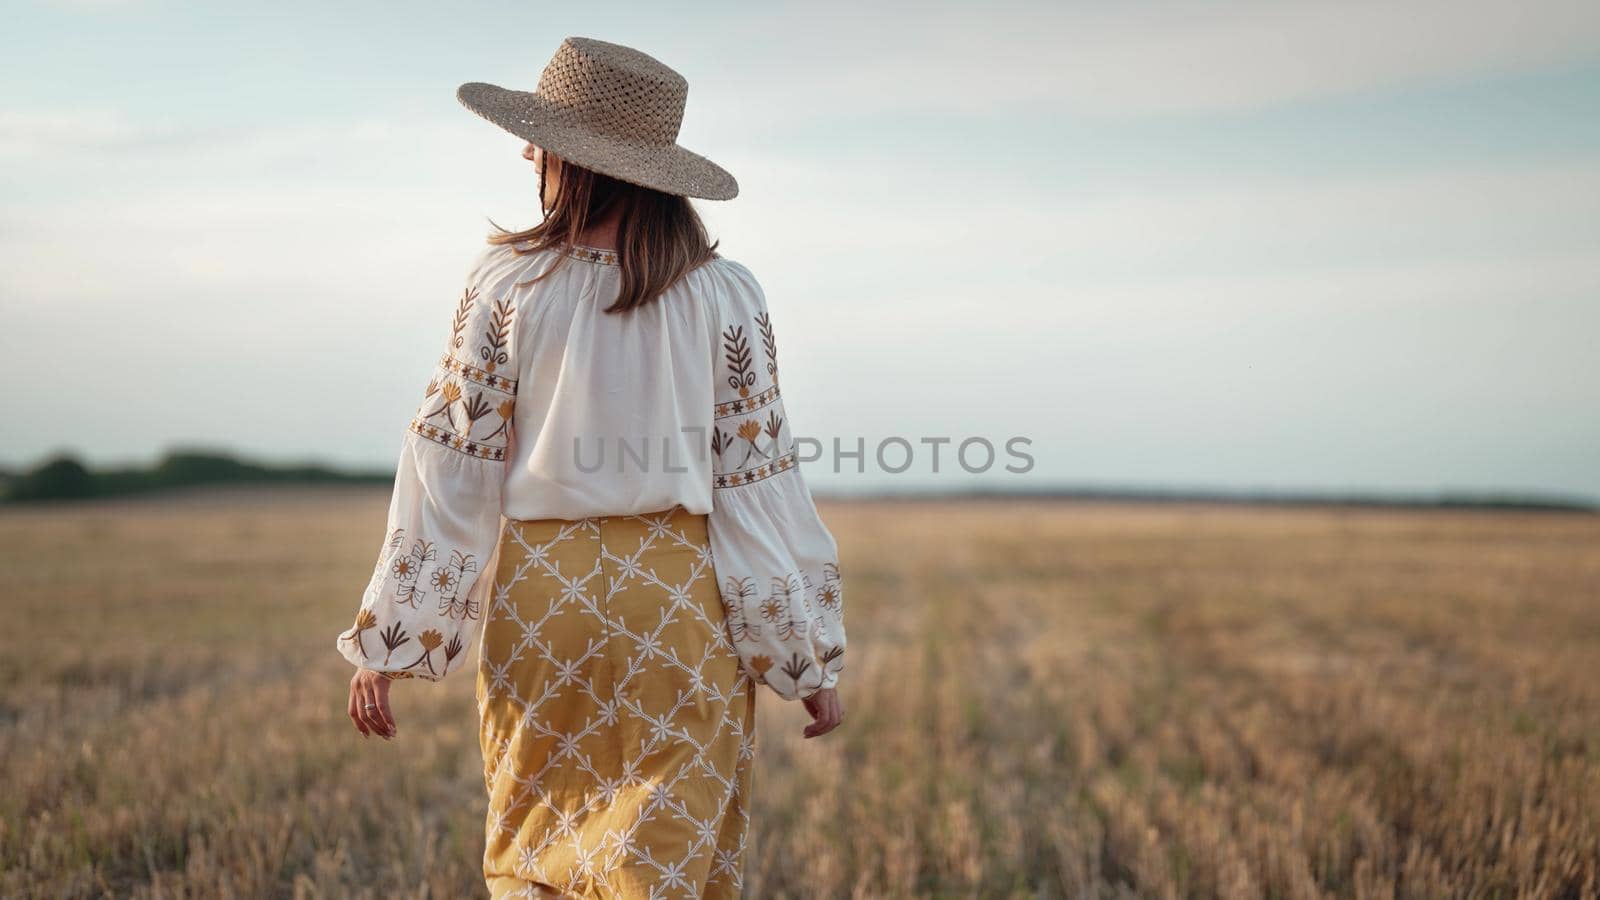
{"x":369,"y":704}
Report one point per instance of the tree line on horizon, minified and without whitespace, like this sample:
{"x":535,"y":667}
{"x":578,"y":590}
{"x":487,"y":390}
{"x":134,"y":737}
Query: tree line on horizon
{"x":64,"y":476}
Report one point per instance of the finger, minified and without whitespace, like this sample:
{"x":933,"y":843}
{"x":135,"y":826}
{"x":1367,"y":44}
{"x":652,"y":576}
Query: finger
{"x":827,"y":714}
{"x":357,"y":699}
{"x":370,"y":715}
{"x":383,"y":710}
{"x":815,"y":706}
{"x":355,"y":706}
{"x":375,"y":714}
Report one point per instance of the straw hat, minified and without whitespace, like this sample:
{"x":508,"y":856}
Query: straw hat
{"x":608,"y":108}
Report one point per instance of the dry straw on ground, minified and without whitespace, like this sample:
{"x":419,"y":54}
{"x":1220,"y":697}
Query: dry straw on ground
{"x":1044,"y":700}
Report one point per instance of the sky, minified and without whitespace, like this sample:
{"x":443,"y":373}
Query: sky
{"x":1277,"y":246}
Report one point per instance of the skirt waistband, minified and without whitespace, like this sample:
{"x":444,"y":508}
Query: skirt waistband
{"x":672,"y":515}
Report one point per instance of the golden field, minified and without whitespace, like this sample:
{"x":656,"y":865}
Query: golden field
{"x":1043,"y":699}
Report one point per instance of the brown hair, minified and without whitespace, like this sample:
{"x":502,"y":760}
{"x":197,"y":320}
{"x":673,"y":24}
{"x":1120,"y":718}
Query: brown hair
{"x":660,"y":237}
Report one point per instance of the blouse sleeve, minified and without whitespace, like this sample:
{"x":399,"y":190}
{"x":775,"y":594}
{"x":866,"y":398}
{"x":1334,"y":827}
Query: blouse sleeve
{"x":424,"y":604}
{"x":777,"y":564}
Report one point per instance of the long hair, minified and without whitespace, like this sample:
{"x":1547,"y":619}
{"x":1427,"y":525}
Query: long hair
{"x":660,"y":237}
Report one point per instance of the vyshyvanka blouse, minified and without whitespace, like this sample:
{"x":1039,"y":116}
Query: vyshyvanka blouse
{"x":542,"y":405}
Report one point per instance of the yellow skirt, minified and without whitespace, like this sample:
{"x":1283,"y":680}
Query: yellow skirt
{"x":618,"y":728}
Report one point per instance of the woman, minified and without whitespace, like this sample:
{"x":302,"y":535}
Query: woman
{"x":609,"y":387}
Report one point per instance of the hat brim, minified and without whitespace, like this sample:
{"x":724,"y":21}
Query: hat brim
{"x":667,"y":168}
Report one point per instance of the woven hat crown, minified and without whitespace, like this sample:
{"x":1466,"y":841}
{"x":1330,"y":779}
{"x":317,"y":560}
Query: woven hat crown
{"x":615,"y":90}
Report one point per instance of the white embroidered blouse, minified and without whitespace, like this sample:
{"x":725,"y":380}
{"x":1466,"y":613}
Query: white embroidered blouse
{"x":543,"y":405}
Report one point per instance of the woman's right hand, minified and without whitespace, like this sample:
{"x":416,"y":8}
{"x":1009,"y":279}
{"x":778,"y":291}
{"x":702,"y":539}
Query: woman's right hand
{"x":826,"y":712}
{"x":369,"y":704}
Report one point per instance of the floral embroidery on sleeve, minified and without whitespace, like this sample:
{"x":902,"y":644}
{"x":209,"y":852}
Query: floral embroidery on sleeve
{"x":467,"y":389}
{"x":748,"y":437}
{"x":793,"y":610}
{"x":781,"y":592}
{"x":422,"y":608}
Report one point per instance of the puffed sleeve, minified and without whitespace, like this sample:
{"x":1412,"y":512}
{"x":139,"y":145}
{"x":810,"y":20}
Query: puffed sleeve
{"x":423,"y":606}
{"x":776,"y":562}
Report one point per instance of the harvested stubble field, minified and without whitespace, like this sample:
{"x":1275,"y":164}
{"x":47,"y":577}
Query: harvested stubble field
{"x":1046,"y":699}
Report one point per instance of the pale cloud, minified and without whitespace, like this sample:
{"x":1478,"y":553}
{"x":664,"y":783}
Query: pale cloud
{"x":92,"y":6}
{"x":222,"y":232}
{"x":50,"y":138}
{"x":1121,"y":60}
{"x":32,"y":134}
{"x":220,"y":217}
{"x":1125,"y":232}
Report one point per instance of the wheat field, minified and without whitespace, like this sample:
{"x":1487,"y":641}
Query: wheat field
{"x":1043,"y":699}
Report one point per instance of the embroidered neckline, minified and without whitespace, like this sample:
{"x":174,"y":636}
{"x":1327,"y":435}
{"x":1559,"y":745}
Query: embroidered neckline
{"x":580,"y":251}
{"x":593,"y":254}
